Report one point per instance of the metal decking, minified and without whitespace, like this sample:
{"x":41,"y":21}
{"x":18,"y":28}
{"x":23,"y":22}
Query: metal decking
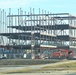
{"x":44,"y":27}
{"x":27,"y":36}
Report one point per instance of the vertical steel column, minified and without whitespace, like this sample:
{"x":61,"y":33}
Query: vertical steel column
{"x":21,"y":24}
{"x":32,"y":43}
{"x":0,"y":21}
{"x":48,"y":29}
{"x":69,"y":29}
{"x":37,"y":23}
{"x":0,"y":25}
{"x":69,"y":21}
{"x":40,"y":25}
{"x":9,"y":18}
{"x":9,"y":30}
{"x":2,"y":38}
{"x":51,"y":17}
{"x":40,"y":28}
{"x":25,"y":30}
{"x":1,"y":31}
{"x":3,"y":22}
{"x":75,"y":36}
{"x":6,"y":23}
{"x":18,"y":26}
{"x":43,"y":27}
{"x":19,"y":31}
{"x":15,"y":29}
{"x":15,"y":24}
{"x":9,"y":23}
{"x":12,"y":23}
{"x":34,"y":31}
{"x":11,"y":51}
{"x":21,"y":13}
{"x":74,"y":33}
{"x":54,"y":28}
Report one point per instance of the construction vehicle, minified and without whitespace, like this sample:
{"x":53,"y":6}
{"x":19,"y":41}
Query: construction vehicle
{"x":63,"y":54}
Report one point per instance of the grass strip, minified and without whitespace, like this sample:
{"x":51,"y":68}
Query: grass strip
{"x":57,"y":67}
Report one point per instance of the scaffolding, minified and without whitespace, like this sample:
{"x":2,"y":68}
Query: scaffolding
{"x":38,"y":32}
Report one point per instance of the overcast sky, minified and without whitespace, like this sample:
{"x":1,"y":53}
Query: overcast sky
{"x":68,"y":6}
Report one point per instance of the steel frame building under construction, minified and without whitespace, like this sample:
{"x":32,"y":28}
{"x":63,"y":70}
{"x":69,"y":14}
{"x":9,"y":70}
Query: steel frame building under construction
{"x":36,"y":32}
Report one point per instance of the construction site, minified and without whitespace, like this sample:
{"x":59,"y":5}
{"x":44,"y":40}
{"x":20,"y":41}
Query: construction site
{"x":42,"y":35}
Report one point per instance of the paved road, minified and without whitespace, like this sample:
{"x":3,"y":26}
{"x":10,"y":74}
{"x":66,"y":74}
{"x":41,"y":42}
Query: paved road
{"x":51,"y":73}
